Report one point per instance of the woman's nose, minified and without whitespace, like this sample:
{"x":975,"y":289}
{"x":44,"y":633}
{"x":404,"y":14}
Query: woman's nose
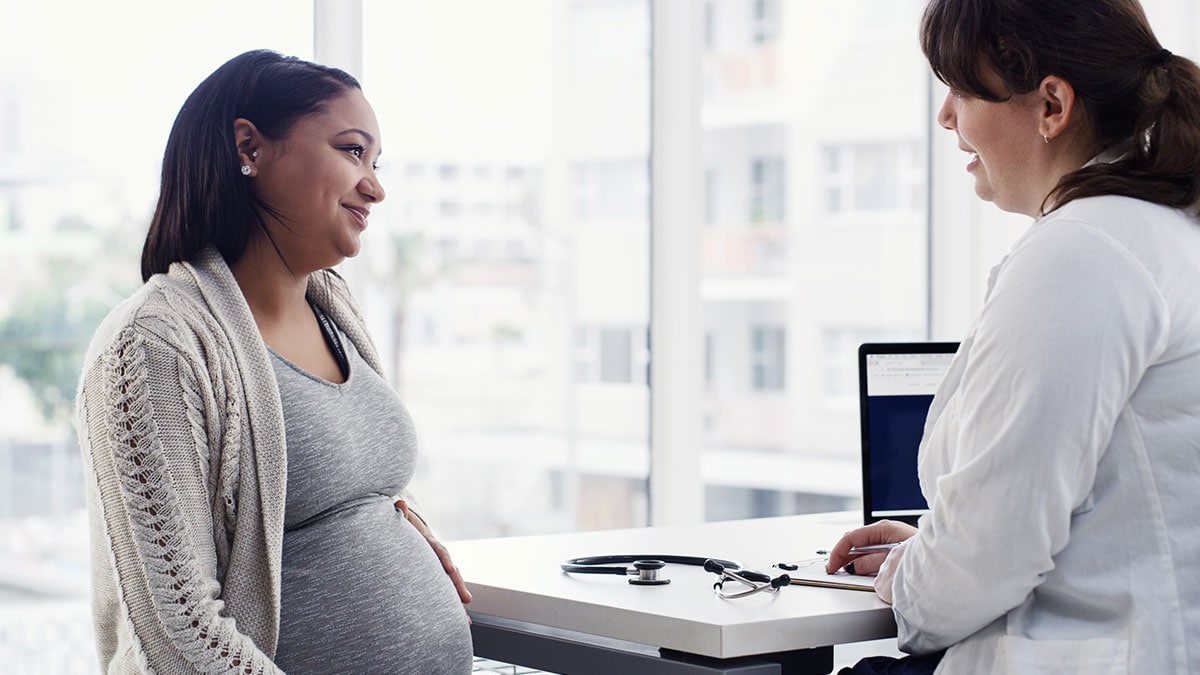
{"x":946,"y":117}
{"x":372,"y":189}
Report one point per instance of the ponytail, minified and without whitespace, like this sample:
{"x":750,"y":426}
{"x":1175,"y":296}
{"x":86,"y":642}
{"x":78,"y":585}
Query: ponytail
{"x":1164,"y":162}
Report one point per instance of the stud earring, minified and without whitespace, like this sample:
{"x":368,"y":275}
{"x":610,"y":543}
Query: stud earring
{"x":246,"y":169}
{"x":1046,"y":137}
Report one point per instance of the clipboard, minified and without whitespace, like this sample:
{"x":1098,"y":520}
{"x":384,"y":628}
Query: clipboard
{"x":814,"y":574}
{"x":835,"y":582}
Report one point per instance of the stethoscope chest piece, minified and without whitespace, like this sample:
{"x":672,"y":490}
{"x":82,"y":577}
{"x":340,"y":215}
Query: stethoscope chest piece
{"x":647,"y":573}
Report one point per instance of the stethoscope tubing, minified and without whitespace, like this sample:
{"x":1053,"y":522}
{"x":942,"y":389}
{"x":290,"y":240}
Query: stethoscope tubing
{"x":605,"y":564}
{"x":646,"y":568}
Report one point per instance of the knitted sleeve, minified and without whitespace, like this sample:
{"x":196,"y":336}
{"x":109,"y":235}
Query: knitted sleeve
{"x":146,"y":410}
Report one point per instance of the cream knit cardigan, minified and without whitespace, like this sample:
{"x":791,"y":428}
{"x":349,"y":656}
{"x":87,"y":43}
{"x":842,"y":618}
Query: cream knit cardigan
{"x":182,"y":433}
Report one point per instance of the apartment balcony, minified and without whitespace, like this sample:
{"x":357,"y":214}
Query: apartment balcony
{"x":744,"y":263}
{"x":742,"y":88}
{"x":493,"y":274}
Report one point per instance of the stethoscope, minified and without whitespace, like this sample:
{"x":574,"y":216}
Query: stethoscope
{"x":645,"y":571}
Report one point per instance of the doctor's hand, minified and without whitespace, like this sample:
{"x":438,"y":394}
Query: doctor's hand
{"x":438,"y":547}
{"x":887,"y":572}
{"x":881,"y":532}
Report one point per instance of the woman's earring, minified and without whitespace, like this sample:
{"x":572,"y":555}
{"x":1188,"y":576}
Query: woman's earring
{"x":246,"y":170}
{"x":1046,"y":137}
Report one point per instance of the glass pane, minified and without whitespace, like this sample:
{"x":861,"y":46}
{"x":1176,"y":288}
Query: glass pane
{"x":88,"y":93}
{"x":814,"y":152}
{"x":506,"y":274}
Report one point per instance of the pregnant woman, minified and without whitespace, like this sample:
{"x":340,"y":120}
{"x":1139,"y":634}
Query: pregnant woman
{"x":248,"y":464}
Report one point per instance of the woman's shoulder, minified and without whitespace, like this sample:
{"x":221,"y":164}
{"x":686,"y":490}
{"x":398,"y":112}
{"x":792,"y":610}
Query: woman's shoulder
{"x":164,"y":310}
{"x":1130,"y":223}
{"x":1115,"y":211}
{"x":1114,"y":235}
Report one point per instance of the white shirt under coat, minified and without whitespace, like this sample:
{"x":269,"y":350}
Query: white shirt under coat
{"x":1061,"y":458}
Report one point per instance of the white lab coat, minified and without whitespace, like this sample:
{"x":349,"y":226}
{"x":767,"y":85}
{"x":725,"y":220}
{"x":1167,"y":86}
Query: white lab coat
{"x":1061,"y":458}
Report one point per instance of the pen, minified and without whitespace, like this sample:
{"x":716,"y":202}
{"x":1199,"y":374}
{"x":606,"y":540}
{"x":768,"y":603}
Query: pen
{"x":875,"y":548}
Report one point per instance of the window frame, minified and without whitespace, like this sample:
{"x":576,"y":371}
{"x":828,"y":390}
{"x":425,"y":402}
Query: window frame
{"x":677,"y":38}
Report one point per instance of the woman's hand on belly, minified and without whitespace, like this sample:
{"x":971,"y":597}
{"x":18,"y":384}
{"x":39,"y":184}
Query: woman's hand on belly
{"x":442,"y":553}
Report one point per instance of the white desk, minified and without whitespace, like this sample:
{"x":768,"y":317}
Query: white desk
{"x":527,"y":611}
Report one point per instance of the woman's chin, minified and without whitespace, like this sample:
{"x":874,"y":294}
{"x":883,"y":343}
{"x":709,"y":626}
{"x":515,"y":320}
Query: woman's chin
{"x":351,"y":247}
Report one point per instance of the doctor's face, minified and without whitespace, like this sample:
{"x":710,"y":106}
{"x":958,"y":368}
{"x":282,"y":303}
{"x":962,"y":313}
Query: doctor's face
{"x":1001,"y":139}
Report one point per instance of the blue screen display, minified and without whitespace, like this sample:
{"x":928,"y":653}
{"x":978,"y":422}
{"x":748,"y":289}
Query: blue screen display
{"x":896,"y":424}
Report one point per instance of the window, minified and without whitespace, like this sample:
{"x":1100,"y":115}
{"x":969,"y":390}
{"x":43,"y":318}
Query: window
{"x":710,"y":24}
{"x":839,"y":357}
{"x":611,"y":190}
{"x":765,"y":24}
{"x":768,"y":349}
{"x":710,"y":195}
{"x":710,"y":356}
{"x":776,"y":275}
{"x":873,"y":177}
{"x":613,"y":355}
{"x":517,"y":336}
{"x":766,"y":189}
{"x":448,"y":210}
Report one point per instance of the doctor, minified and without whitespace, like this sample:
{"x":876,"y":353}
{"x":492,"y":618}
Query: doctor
{"x":1061,"y":455}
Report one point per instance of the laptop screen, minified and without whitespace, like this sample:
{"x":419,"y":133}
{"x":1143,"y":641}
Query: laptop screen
{"x":897,"y":382}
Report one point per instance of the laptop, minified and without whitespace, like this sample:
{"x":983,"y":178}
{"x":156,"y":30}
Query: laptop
{"x":896,"y":384}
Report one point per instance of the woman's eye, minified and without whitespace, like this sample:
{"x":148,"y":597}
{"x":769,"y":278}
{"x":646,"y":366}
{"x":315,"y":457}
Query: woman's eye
{"x":357,"y":150}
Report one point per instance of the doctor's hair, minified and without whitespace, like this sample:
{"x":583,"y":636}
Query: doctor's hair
{"x":1128,"y":86}
{"x":204,"y":199}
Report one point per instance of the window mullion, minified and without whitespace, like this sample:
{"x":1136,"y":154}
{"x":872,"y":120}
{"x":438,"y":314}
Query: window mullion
{"x":676,"y":486}
{"x":337,"y":34}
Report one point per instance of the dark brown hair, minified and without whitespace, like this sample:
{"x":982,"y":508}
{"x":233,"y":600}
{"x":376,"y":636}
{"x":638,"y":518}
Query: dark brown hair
{"x":203,"y":198}
{"x":1130,"y":87}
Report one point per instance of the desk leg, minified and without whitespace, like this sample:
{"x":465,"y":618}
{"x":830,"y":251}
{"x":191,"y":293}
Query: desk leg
{"x":573,"y":653}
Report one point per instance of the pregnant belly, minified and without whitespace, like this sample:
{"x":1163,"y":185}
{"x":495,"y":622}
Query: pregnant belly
{"x":364,"y":592}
